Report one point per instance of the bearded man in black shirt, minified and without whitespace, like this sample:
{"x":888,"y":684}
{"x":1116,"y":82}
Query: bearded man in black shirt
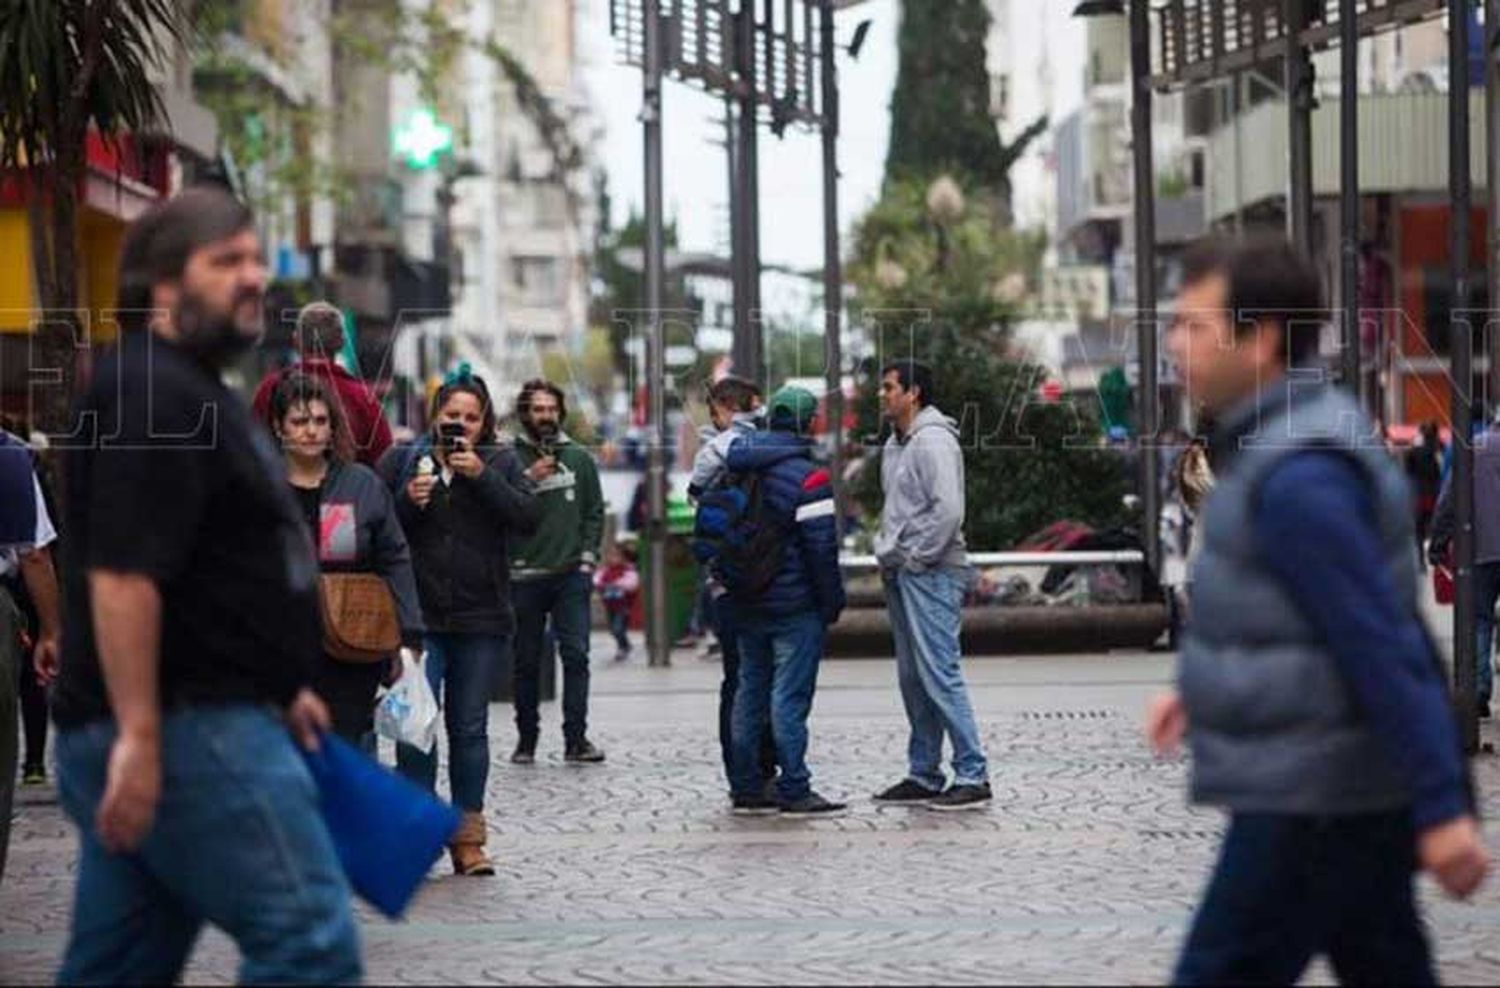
{"x":192,"y":624}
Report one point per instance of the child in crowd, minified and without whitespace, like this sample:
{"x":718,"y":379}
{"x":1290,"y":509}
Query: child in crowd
{"x":618,"y":582}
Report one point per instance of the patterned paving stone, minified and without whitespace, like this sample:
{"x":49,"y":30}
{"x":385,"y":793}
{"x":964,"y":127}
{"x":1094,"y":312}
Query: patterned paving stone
{"x":1084,"y":870}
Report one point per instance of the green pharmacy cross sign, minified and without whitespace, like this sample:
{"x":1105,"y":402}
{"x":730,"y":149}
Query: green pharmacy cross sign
{"x":422,"y":139}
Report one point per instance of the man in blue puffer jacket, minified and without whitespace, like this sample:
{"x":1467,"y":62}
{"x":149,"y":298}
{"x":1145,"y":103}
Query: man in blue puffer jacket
{"x":781,"y":629}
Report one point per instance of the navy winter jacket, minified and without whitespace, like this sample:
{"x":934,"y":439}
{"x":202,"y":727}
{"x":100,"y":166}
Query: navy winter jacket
{"x":799,"y":494}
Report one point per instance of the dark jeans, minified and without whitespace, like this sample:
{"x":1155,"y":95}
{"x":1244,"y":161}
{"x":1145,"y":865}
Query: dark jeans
{"x":779,"y":660}
{"x":1486,"y":593}
{"x":349,"y":690}
{"x":238,"y":841}
{"x":458,"y":669}
{"x":725,"y":632}
{"x":565,"y":600}
{"x":619,"y":626}
{"x":33,"y":715}
{"x":1288,"y":888}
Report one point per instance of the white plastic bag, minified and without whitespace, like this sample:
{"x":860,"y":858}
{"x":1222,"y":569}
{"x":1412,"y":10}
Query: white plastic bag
{"x":408,"y":712}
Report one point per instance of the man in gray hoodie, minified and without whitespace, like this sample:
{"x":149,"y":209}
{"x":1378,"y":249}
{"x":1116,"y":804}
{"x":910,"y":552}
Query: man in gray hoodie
{"x":926,"y":572}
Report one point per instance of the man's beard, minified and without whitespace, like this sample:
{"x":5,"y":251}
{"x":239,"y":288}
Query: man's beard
{"x":217,"y":338}
{"x":543,"y":432}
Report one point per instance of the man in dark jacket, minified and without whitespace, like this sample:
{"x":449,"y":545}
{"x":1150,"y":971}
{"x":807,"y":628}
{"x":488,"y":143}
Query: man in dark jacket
{"x":320,"y":338}
{"x":781,"y":629}
{"x":1309,"y":691}
{"x":1486,"y":479}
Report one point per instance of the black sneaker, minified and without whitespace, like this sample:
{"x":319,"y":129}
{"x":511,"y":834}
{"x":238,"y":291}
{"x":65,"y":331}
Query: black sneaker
{"x":524,"y":755}
{"x":583,"y":752}
{"x":962,"y":798}
{"x":754,"y":806}
{"x":813,"y":805}
{"x":906,"y":791}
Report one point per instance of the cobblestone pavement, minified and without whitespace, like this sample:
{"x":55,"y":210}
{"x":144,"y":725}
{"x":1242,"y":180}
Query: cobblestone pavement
{"x":1084,"y":870}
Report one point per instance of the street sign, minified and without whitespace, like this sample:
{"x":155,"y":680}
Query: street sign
{"x":421,"y":139}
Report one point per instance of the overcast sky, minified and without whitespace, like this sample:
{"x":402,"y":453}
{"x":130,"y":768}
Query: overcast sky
{"x":696,"y":175}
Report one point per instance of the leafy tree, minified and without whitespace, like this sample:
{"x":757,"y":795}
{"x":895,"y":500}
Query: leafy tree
{"x":66,"y":67}
{"x":940,"y":113}
{"x":620,"y":279}
{"x":932,"y":287}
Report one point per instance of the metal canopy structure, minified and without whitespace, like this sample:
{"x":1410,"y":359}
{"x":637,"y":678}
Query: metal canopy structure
{"x":1202,"y":40}
{"x":699,"y":48}
{"x":771,"y":61}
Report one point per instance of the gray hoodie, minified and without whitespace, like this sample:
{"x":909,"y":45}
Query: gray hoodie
{"x":922,"y":474}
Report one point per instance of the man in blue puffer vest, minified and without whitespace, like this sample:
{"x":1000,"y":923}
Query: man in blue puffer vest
{"x":1308,"y":690}
{"x":781,"y":629}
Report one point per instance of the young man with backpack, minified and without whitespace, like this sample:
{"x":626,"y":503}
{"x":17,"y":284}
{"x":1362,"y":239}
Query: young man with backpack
{"x":772,"y":539}
{"x":1312,"y":697}
{"x":736,"y":408}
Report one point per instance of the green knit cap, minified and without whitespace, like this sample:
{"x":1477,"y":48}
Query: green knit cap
{"x":792,"y":408}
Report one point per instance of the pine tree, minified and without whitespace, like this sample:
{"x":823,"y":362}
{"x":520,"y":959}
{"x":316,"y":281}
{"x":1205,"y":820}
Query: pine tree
{"x":940,"y":113}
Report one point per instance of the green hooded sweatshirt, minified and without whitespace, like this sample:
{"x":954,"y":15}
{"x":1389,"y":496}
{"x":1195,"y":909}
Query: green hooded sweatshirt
{"x":570,"y":504}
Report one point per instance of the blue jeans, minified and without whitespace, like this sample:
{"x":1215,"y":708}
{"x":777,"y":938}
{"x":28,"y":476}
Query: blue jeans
{"x":728,"y":635}
{"x":238,"y":841}
{"x":778,"y":670}
{"x":1288,"y":888}
{"x":1486,"y":593}
{"x":619,"y":626}
{"x":565,"y":599}
{"x":458,"y":669}
{"x":926,"y":617}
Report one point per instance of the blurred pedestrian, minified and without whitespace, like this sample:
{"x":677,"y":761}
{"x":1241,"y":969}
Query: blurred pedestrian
{"x":28,"y":652}
{"x":781,"y":619}
{"x":553,"y":571}
{"x":735,"y":409}
{"x":925,"y":567}
{"x":190,"y":638}
{"x":1486,"y":483}
{"x":461,"y":500}
{"x":1424,"y":467}
{"x":618,"y":584}
{"x":351,"y":518}
{"x":31,"y":579}
{"x":1312,"y":696}
{"x":319,"y":338}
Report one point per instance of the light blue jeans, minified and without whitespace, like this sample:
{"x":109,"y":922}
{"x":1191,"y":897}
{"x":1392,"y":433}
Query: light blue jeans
{"x":926,"y":616}
{"x":238,"y":841}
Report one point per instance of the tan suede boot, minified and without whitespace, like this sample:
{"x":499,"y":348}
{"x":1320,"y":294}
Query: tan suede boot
{"x":467,"y":847}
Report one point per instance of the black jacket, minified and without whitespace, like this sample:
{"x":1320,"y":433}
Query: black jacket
{"x":460,"y":541}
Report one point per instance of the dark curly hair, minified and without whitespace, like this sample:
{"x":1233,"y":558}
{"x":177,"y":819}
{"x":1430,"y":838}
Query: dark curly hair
{"x":533,"y":387}
{"x":296,"y":388}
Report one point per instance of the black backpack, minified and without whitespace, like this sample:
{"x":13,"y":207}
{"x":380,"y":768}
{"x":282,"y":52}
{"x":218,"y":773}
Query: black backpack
{"x":738,"y":536}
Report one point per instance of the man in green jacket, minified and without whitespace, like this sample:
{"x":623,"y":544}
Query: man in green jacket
{"x":552,"y":571}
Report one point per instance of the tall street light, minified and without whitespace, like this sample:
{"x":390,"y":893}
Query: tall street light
{"x":1145,"y":255}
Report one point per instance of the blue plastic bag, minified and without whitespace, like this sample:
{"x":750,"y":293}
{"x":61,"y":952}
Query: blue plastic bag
{"x":387,"y":830}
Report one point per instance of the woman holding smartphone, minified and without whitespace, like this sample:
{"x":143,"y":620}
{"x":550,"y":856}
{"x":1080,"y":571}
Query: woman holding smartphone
{"x":460,"y":498}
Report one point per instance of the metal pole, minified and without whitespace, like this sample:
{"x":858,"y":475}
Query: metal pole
{"x":1240,"y":105}
{"x":833,"y":268}
{"x":1492,"y":188}
{"x":748,"y":357}
{"x":1462,"y":342}
{"x":658,"y":642}
{"x":1145,"y":272}
{"x":1299,"y":93}
{"x":1349,"y":190}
